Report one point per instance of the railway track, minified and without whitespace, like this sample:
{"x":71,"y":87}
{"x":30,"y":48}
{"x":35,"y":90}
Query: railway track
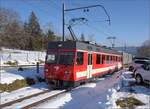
{"x":33,"y":100}
{"x":43,"y":100}
{"x":23,"y":98}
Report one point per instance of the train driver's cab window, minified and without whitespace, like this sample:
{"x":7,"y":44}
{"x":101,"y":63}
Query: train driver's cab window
{"x":51,"y":59}
{"x":66,"y":58}
{"x":79,"y":60}
{"x":98,"y":58}
{"x":103,"y":59}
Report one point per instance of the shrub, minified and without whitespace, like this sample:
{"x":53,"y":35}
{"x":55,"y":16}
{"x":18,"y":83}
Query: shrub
{"x":30,"y":81}
{"x":40,"y":79}
{"x":3,"y":87}
{"x":13,"y":63}
{"x":17,"y":84}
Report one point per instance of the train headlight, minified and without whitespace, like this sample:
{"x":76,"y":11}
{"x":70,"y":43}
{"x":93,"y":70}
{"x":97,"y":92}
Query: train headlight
{"x":66,"y":72}
{"x":46,"y":69}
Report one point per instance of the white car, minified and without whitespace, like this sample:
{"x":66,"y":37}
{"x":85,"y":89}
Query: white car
{"x":137,"y":63}
{"x":142,"y":74}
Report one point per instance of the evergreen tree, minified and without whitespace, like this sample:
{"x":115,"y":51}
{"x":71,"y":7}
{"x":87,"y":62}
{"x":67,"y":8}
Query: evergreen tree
{"x":33,"y":25}
{"x":50,"y":35}
{"x":33,"y":32}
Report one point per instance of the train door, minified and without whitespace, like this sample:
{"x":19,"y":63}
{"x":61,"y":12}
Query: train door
{"x":89,"y":66}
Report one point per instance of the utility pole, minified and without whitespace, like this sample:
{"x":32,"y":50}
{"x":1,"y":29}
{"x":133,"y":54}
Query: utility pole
{"x":125,"y":47}
{"x":112,"y":41}
{"x":63,"y":21}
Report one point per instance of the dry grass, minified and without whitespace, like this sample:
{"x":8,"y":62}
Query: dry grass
{"x":15,"y":63}
{"x":129,"y":102}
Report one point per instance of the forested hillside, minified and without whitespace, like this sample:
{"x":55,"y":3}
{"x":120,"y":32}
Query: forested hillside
{"x":28,"y":35}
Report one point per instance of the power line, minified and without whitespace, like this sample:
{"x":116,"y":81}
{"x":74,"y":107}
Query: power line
{"x":93,"y":27}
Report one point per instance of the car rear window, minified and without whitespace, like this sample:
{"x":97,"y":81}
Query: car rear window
{"x":140,"y":62}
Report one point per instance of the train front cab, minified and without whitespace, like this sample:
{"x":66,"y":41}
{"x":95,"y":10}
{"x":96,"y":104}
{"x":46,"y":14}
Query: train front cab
{"x":59,"y":68}
{"x":67,"y":68}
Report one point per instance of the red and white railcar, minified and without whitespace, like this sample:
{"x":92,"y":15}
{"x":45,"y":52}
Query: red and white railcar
{"x":70,"y":63}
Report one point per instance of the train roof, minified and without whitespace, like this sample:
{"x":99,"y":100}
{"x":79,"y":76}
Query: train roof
{"x":72,"y":45}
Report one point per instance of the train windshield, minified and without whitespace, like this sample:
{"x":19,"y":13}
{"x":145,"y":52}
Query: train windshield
{"x":51,"y":58}
{"x":66,"y":58}
{"x":63,"y":58}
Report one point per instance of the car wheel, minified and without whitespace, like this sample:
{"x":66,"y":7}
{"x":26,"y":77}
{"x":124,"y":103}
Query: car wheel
{"x":139,"y":79}
{"x":131,"y":68}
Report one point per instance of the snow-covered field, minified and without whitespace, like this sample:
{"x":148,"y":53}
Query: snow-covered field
{"x":22,"y":57}
{"x":9,"y":75}
{"x":99,"y":94}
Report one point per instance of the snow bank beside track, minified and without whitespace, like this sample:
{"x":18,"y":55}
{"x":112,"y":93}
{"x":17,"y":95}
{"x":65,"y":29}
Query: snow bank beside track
{"x":126,"y":88}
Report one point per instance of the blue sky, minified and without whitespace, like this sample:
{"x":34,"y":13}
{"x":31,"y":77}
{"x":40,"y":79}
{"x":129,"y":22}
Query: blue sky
{"x":130,"y":19}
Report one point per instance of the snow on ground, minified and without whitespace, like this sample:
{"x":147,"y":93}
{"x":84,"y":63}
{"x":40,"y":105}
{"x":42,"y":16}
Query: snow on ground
{"x":34,"y":99}
{"x":9,"y":75}
{"x":128,"y":88}
{"x":21,"y":56}
{"x":55,"y":103}
{"x":99,"y":94}
{"x":26,"y":91}
{"x":89,"y":96}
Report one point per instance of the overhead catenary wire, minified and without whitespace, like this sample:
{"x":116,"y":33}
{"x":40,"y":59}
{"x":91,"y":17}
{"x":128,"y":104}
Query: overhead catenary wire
{"x":88,"y":20}
{"x":97,"y":21}
{"x":88,"y":25}
{"x":95,"y":28}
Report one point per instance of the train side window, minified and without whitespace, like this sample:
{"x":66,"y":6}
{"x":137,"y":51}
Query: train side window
{"x":120,"y":59}
{"x":116,"y":59}
{"x":107,"y":59}
{"x":98,"y":58}
{"x":103,"y":59}
{"x":79,"y":58}
{"x":111,"y":58}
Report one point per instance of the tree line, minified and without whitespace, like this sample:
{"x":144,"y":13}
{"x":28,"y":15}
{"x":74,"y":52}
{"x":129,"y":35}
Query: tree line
{"x":144,"y":50}
{"x":15,"y":33}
